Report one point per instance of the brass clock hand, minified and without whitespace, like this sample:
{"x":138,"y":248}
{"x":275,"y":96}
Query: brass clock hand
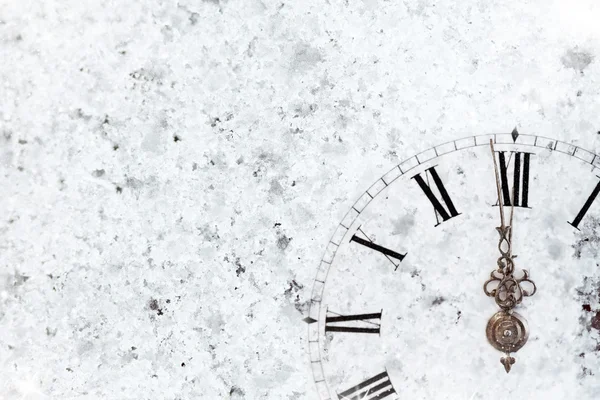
{"x":498,"y":186}
{"x":507,"y":331}
{"x":505,"y":231}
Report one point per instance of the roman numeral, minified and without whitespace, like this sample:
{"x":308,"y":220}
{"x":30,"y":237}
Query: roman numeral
{"x":520,"y":182}
{"x":385,"y":251}
{"x":375,"y":388}
{"x":586,"y":207}
{"x":447,"y":212}
{"x":359,"y":319}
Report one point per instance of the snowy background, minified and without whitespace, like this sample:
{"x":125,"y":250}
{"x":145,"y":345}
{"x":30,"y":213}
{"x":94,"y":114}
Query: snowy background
{"x":172,"y":171}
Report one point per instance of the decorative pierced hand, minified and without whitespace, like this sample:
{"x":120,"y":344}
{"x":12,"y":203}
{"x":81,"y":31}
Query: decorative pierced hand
{"x":506,"y":331}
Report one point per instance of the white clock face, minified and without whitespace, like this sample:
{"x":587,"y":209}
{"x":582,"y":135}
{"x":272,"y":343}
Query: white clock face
{"x":398,"y":304}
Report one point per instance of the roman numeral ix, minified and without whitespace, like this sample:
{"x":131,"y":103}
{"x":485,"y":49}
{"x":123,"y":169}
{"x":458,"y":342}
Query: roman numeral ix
{"x":363,"y":323}
{"x":375,"y":388}
{"x":447,"y":212}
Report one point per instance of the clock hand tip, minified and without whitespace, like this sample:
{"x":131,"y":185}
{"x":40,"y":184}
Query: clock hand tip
{"x":508,"y":362}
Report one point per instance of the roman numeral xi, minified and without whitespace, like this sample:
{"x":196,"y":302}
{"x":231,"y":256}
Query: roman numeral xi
{"x":445,"y":210}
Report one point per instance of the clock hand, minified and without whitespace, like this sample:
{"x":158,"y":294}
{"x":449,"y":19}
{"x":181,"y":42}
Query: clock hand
{"x":505,"y":231}
{"x":506,"y":331}
{"x":512,"y":212}
{"x":498,"y":186}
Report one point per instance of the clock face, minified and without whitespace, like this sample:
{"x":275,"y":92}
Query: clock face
{"x":398,"y":308}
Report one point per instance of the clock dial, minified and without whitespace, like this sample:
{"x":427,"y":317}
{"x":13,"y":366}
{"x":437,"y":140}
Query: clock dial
{"x":398,"y":309}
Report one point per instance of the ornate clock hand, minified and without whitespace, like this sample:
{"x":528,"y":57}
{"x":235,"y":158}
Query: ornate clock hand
{"x":498,"y":187}
{"x":507,"y":331}
{"x":504,"y":231}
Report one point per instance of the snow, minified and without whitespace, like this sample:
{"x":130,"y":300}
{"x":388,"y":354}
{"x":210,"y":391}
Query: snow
{"x":172,"y":171}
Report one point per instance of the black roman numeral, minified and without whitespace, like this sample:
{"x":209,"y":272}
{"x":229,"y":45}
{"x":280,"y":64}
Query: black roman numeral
{"x":385,"y":251}
{"x":586,"y":206}
{"x":520,"y":183}
{"x":375,"y":388}
{"x":359,"y":319}
{"x":437,"y":204}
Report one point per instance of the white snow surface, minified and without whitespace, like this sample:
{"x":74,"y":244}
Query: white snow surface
{"x":172,"y":171}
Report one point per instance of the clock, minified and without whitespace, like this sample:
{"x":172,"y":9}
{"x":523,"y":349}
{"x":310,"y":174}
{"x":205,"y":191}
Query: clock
{"x":398,"y":307}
